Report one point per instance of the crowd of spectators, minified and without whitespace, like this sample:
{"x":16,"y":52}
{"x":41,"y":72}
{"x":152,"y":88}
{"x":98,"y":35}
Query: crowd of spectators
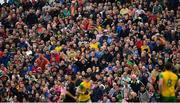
{"x":47,"y":48}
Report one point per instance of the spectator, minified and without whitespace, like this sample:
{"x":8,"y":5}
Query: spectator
{"x":143,"y":94}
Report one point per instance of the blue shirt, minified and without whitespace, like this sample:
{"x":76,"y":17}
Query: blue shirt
{"x":152,"y":45}
{"x":98,"y":54}
{"x":75,"y":68}
{"x":109,"y":40}
{"x":48,"y":56}
{"x":110,"y":68}
{"x":22,"y":45}
{"x":4,"y":60}
{"x":118,"y":29}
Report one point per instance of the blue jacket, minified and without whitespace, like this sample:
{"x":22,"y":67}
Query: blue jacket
{"x":118,"y":29}
{"x":4,"y":60}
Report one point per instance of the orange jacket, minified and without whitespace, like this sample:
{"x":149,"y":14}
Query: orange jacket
{"x":42,"y":62}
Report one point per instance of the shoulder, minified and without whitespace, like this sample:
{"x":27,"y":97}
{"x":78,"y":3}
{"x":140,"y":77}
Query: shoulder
{"x":82,"y":83}
{"x":175,"y":76}
{"x":161,"y":75}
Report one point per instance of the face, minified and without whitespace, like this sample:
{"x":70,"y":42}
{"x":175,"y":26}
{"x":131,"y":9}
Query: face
{"x":142,"y":88}
{"x":160,"y":62}
{"x":113,"y":99}
{"x":105,"y":98}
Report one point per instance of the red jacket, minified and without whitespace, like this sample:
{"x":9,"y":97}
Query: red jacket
{"x":139,"y":44}
{"x":42,"y":62}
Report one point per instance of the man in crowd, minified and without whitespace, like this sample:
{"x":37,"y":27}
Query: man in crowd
{"x":84,"y":90}
{"x":169,"y":84}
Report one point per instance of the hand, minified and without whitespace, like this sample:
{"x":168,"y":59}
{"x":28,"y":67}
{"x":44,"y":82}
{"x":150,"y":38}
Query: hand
{"x":74,"y":98}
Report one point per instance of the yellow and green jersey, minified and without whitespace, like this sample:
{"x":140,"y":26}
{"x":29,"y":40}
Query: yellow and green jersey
{"x":94,"y":45}
{"x":84,"y":86}
{"x":169,"y":81}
